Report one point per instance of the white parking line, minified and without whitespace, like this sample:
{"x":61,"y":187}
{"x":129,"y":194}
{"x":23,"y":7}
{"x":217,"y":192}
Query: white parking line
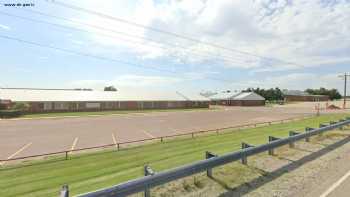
{"x":335,"y":185}
{"x":148,"y":134}
{"x":17,"y":152}
{"x":74,"y":144}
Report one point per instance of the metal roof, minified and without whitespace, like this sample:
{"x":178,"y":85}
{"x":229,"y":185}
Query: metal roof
{"x":295,"y":93}
{"x":51,"y":95}
{"x":249,"y":96}
{"x":224,"y":96}
{"x":237,"y":96}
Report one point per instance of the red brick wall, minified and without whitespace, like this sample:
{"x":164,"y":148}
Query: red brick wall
{"x":290,"y":98}
{"x":37,"y":107}
{"x":238,"y":103}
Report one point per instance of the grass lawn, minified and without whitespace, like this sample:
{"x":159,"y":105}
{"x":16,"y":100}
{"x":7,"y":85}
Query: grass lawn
{"x":61,"y":114}
{"x":88,"y":172}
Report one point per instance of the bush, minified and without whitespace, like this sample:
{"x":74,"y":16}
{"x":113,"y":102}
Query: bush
{"x":2,"y":106}
{"x":20,"y":106}
{"x":10,"y":113}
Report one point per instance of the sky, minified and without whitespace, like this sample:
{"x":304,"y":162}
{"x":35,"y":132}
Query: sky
{"x":198,"y":45}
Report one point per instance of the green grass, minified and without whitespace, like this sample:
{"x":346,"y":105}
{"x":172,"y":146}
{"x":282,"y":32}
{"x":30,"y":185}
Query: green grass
{"x":61,"y":114}
{"x":88,"y":172}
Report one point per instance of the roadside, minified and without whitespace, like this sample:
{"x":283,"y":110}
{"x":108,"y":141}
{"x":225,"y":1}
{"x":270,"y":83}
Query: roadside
{"x":309,"y":169}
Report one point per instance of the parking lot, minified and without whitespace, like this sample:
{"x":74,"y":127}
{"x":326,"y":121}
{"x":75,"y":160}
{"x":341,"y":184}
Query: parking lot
{"x":24,"y":137}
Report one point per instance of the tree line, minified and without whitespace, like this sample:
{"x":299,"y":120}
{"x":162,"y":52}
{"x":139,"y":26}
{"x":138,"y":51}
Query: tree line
{"x":332,"y":93}
{"x":276,"y":94}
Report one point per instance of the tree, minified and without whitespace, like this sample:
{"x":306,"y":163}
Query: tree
{"x":110,"y":88}
{"x":332,"y":93}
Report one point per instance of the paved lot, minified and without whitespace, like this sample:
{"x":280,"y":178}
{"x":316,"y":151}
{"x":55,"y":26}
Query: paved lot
{"x":27,"y":137}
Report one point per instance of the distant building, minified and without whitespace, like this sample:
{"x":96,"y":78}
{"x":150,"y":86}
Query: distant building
{"x":59,"y":100}
{"x":237,"y":99}
{"x":297,"y":95}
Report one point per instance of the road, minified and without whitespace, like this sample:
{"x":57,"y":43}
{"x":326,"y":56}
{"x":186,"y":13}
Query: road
{"x":340,"y":188}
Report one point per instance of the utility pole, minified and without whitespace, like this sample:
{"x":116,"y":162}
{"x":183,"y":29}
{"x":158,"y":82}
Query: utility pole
{"x":345,"y":76}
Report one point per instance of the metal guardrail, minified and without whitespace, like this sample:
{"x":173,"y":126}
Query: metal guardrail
{"x":155,"y":179}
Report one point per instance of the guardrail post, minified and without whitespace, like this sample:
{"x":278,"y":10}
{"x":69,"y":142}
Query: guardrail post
{"x":342,"y":120}
{"x":148,"y":172}
{"x":209,"y":155}
{"x":66,"y":155}
{"x":192,"y":135}
{"x":64,"y":191}
{"x":244,"y":158}
{"x":322,"y":125}
{"x":161,"y":139}
{"x":271,"y":139}
{"x":292,"y":133}
{"x":345,"y":119}
{"x":307,"y":129}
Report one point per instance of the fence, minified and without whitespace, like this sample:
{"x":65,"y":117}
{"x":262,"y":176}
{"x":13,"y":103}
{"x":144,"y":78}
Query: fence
{"x":153,"y":179}
{"x":119,"y":145}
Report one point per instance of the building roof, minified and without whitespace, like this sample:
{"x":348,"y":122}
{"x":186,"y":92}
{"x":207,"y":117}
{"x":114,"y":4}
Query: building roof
{"x":237,"y":96}
{"x":51,"y":95}
{"x":224,"y":96}
{"x":249,"y":96}
{"x":295,"y":93}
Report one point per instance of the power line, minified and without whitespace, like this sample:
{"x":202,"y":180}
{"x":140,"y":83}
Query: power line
{"x":97,"y":57}
{"x":77,"y":8}
{"x":208,"y":54}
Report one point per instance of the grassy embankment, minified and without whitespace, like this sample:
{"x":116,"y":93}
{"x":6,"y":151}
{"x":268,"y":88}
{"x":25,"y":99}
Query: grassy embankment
{"x":93,"y":171}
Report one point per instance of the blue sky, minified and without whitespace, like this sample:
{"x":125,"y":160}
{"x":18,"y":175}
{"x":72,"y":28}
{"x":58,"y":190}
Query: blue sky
{"x":313,"y":35}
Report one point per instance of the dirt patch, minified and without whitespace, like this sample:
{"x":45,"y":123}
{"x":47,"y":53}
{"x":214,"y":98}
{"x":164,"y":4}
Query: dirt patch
{"x":333,"y":107}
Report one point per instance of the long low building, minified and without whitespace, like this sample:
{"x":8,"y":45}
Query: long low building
{"x":301,"y":96}
{"x":237,"y":99}
{"x":57,"y":100}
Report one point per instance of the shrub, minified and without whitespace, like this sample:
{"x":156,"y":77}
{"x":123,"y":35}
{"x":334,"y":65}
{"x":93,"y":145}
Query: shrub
{"x":20,"y":106}
{"x":10,"y":113}
{"x":2,"y":106}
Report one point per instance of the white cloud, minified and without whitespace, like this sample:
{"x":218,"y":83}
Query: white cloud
{"x":5,"y":27}
{"x":143,"y":81}
{"x":305,"y":32}
{"x":294,"y":81}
